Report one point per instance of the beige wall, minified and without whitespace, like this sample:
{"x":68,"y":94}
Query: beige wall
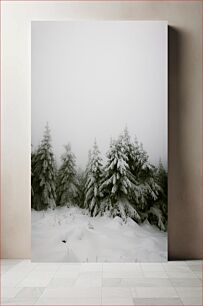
{"x":184,"y":113}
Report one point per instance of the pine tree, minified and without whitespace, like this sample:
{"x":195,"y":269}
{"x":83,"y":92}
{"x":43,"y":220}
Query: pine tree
{"x":163,"y":194}
{"x":67,"y":190}
{"x":148,"y":196}
{"x":81,"y":180}
{"x":146,"y":190}
{"x":158,"y":211}
{"x":162,"y":179}
{"x":137,"y":157}
{"x":118,"y":182}
{"x":44,"y":174}
{"x":93,"y":179}
{"x":136,"y":160}
{"x":87,"y":169}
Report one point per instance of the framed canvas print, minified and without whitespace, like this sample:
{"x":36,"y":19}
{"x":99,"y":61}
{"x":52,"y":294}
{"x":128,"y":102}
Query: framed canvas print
{"x":99,"y":141}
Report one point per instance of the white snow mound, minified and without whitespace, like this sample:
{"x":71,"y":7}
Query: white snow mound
{"x":71,"y":235}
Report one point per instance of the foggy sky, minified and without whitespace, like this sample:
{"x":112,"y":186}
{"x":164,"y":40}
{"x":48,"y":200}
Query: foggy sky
{"x":91,"y":79}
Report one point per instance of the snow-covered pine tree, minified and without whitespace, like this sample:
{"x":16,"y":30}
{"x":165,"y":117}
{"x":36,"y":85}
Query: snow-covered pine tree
{"x":81,"y":180}
{"x":118,"y":182}
{"x":137,"y":157}
{"x":67,"y":190}
{"x":88,"y":164}
{"x":44,"y":174}
{"x":93,"y":179}
{"x":137,"y":164}
{"x":147,"y":188}
{"x":158,"y":212}
{"x":162,"y":179}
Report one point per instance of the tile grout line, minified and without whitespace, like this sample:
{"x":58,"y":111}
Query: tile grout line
{"x":16,"y":286}
{"x":180,"y":298}
{"x":46,"y":286}
{"x":176,"y":291}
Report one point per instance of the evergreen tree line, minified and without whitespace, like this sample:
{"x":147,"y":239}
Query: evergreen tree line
{"x":128,"y":185}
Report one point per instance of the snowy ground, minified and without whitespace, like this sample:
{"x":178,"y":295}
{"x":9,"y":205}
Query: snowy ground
{"x":98,"y":239}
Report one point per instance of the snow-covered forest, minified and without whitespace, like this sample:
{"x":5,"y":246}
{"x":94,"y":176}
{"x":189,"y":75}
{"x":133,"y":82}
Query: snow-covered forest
{"x":126,"y":190}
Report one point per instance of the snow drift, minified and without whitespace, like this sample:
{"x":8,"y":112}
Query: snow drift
{"x":71,"y":235}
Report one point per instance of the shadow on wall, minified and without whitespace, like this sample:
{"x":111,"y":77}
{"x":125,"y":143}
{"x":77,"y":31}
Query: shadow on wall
{"x":183,"y":232}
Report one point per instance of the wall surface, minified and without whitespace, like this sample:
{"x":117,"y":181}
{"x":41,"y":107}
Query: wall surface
{"x":184,"y":18}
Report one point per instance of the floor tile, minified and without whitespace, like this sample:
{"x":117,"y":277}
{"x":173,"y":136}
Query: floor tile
{"x":155,"y":274}
{"x":88,"y":267}
{"x":61,"y":282}
{"x":46,"y":268}
{"x":89,"y":279}
{"x":153,"y":292}
{"x":9,"y":292}
{"x":85,"y":282}
{"x":36,"y":281}
{"x":30,"y":292}
{"x":178,"y":274}
{"x":192,"y":301}
{"x":73,"y":292}
{"x":185,"y":282}
{"x":175,"y":263}
{"x":111,"y":282}
{"x":22,"y":301}
{"x":69,"y":268}
{"x":157,"y":301}
{"x":176,"y":268}
{"x":147,"y":282}
{"x":193,"y":262}
{"x":197,"y":268}
{"x":90,"y":274}
{"x":189,"y":291}
{"x":66,"y":274}
{"x":122,"y":267}
{"x":69,"y":301}
{"x":152,"y":267}
{"x":15,"y":275}
{"x":115,"y":292}
{"x":117,"y":301}
{"x":5,"y":268}
{"x":10,"y":261}
{"x":122,"y":274}
{"x":198,"y":274}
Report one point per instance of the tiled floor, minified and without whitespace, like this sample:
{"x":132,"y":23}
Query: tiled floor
{"x":172,"y":283}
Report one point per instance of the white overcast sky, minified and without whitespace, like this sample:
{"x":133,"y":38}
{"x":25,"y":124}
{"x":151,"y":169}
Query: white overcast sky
{"x":92,"y":78}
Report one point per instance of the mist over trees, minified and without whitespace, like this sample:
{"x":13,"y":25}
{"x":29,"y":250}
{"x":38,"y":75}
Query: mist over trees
{"x":127,"y":185}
